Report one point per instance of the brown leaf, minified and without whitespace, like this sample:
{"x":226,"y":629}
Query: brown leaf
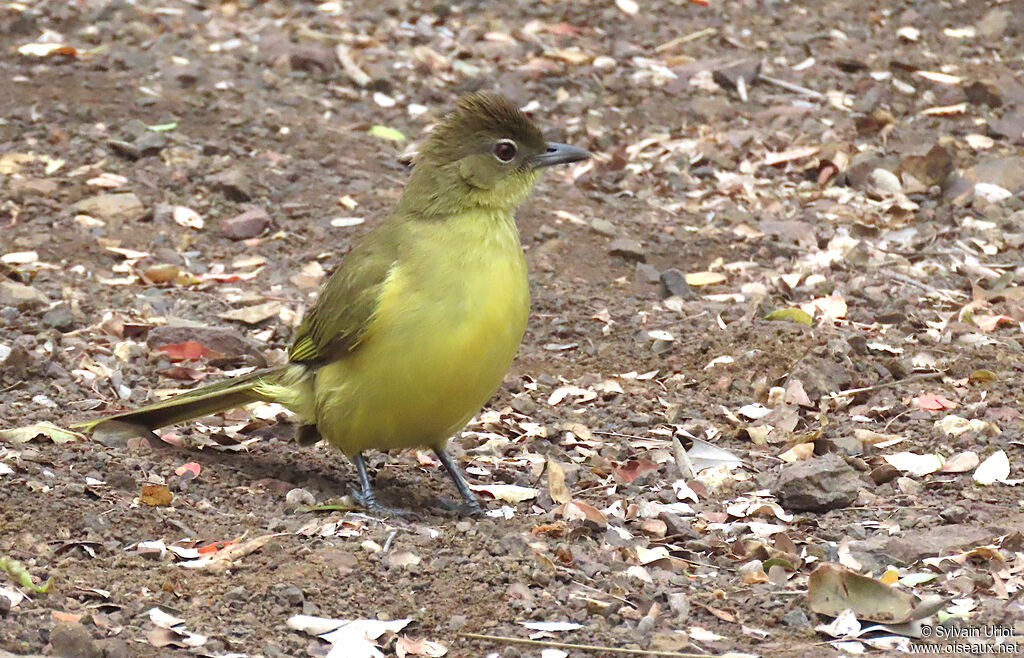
{"x":156,"y":495}
{"x":556,"y":483}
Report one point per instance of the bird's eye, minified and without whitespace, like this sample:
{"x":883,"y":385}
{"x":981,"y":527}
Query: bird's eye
{"x":505,"y":150}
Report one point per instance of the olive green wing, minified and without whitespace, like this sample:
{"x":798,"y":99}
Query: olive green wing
{"x":341,"y":315}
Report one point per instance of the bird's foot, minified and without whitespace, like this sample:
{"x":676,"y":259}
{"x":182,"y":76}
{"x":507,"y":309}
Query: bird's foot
{"x":464,"y":508}
{"x":371,"y":504}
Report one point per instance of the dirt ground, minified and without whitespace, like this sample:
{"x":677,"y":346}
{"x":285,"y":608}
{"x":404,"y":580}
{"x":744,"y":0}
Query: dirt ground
{"x":861,"y":161}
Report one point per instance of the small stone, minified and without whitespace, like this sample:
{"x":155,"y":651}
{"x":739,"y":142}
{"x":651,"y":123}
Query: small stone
{"x":678,"y":527}
{"x":673,"y":284}
{"x":679,"y":603}
{"x":290,"y":594}
{"x":247,"y":225}
{"x":60,"y":318}
{"x":654,"y":528}
{"x":953,"y":514}
{"x":646,"y":273}
{"x":994,"y":23}
{"x":298,"y":497}
{"x":627,"y":249}
{"x":236,"y":594}
{"x":124,"y":149}
{"x":73,"y":640}
{"x":115,"y":647}
{"x":150,"y":143}
{"x":983,"y":93}
{"x":233,"y":183}
{"x":817,"y":485}
{"x":604,"y":227}
{"x":33,"y":186}
{"x":20,"y":296}
{"x":457,"y":622}
{"x":123,"y":206}
{"x":884,"y":182}
{"x":796,"y":618}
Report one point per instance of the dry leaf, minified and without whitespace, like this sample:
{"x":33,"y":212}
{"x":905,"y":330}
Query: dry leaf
{"x":556,"y":483}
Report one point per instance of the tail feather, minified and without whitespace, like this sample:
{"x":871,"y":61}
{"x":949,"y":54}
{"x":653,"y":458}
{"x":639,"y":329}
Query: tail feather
{"x":202,"y":401}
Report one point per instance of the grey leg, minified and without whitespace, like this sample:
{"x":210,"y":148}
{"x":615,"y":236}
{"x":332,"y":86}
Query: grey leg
{"x":460,"y":482}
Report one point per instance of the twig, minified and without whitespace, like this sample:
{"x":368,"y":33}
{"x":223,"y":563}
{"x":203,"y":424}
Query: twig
{"x":789,"y":86}
{"x":387,"y":543}
{"x":906,"y":380}
{"x":582,"y":647}
{"x":686,"y":38}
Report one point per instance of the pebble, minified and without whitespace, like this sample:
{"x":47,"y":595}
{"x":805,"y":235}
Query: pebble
{"x":627,"y":249}
{"x":298,"y":497}
{"x":20,"y":296}
{"x":248,"y":224}
{"x":604,"y":227}
{"x":73,"y":640}
{"x":673,"y":284}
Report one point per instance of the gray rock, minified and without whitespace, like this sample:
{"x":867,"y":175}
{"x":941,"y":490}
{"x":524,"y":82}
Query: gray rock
{"x":673,"y":284}
{"x":679,"y":603}
{"x":796,"y":618}
{"x":247,"y":225}
{"x":628,"y":249}
{"x":646,"y":273}
{"x":60,"y":318}
{"x":21,"y":296}
{"x":290,"y":594}
{"x":150,"y":143}
{"x":233,"y":183}
{"x":817,"y":485}
{"x":941,"y":540}
{"x":73,"y":640}
{"x":993,"y":25}
{"x":123,"y":206}
{"x":604,"y":227}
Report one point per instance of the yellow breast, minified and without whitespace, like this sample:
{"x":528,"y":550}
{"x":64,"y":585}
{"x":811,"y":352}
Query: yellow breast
{"x":449,"y":321}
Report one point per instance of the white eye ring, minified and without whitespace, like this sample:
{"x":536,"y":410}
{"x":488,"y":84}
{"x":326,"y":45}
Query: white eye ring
{"x":505,"y":150}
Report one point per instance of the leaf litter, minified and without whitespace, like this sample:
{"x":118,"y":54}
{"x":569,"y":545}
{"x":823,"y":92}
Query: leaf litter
{"x":871,"y":206}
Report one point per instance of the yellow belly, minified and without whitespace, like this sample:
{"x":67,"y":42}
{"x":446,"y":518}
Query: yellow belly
{"x":449,"y":321}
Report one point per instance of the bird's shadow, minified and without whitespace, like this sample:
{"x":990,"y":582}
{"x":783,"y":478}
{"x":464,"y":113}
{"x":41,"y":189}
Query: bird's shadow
{"x":326,"y":476}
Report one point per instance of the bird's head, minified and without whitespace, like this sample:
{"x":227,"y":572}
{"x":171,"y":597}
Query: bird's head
{"x":484,"y":154}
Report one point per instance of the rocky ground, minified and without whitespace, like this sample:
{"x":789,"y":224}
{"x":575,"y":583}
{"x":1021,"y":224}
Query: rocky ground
{"x":796,"y":254}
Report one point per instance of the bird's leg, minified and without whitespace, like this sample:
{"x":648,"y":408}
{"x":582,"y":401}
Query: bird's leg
{"x":472,"y":502}
{"x":367,"y":498}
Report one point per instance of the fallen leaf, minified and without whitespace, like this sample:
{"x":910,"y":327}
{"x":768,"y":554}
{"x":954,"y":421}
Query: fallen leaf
{"x":994,"y":469}
{"x":793,"y":314}
{"x":933,"y":402}
{"x":406,"y":646}
{"x":387,"y":133}
{"x":633,"y":469}
{"x":156,"y":495}
{"x":556,"y":483}
{"x":189,"y":350}
{"x":184,"y":216}
{"x":704,"y":278}
{"x":43,"y":429}
{"x":510,"y":493}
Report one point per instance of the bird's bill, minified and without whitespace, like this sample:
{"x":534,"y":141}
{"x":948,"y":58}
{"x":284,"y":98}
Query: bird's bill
{"x":557,"y":154}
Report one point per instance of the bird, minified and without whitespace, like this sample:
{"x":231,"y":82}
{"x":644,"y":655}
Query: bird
{"x":414,"y":331}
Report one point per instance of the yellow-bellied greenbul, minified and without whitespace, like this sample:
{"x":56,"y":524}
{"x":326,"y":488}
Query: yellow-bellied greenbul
{"x":414,"y":332}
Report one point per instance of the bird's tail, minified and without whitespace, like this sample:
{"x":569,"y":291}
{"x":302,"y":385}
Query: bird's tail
{"x":266,"y":385}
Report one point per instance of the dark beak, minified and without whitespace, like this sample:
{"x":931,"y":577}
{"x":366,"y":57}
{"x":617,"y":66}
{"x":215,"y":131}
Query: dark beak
{"x":557,"y":154}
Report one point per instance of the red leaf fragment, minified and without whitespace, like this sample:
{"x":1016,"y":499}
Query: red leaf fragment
{"x":633,"y":469}
{"x":190,"y":349}
{"x":934,"y":402}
